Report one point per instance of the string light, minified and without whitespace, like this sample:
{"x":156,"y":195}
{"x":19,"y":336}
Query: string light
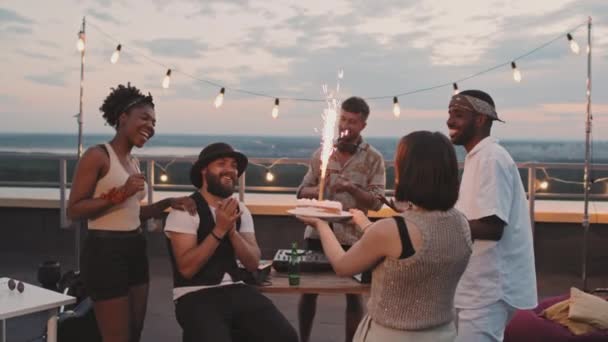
{"x":269,"y":176}
{"x":219,"y":99}
{"x":455,"y":87}
{"x":396,"y":108}
{"x":563,"y":181}
{"x":116,"y":54}
{"x":164,"y":177}
{"x":516,"y":72}
{"x":544,"y":185}
{"x":167,"y":79}
{"x":164,"y":171}
{"x":573,"y":44}
{"x":81,"y":41}
{"x":275,"y":109}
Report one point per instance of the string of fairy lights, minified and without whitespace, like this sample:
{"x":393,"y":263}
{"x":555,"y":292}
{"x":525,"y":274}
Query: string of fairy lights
{"x":219,"y":100}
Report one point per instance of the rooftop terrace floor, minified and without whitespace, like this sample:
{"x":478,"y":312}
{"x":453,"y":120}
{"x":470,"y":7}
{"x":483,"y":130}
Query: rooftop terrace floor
{"x":160,"y":322}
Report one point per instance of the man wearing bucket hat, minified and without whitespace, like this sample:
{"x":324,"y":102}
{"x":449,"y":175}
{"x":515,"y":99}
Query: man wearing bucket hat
{"x":211,"y":303}
{"x":500,"y":276}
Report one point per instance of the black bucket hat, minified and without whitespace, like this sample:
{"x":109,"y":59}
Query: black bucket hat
{"x":212,"y":152}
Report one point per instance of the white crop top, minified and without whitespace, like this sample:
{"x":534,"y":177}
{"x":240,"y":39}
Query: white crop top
{"x":123,"y":216}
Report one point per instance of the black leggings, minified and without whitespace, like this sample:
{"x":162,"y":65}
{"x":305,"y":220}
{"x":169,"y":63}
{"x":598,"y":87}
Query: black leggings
{"x":231,"y":313}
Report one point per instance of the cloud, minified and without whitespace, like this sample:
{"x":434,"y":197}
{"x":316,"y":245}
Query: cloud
{"x":10,"y":16}
{"x":37,"y":55}
{"x":174,"y":47}
{"x":16,"y":30}
{"x":55,"y":79}
{"x":457,"y":34}
{"x":103,"y":16}
{"x":47,"y":43}
{"x":8,"y":99}
{"x":12,"y":23}
{"x":211,"y":8}
{"x":104,"y":3}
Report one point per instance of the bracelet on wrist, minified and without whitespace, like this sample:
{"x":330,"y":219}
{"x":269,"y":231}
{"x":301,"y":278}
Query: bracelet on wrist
{"x":115,"y":195}
{"x":219,"y":239}
{"x":367,"y":226}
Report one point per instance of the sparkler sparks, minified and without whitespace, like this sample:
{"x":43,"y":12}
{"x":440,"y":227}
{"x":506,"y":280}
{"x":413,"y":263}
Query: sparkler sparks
{"x":330,"y":120}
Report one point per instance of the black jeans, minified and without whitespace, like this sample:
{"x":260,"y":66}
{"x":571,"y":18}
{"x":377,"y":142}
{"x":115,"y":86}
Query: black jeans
{"x":231,"y":313}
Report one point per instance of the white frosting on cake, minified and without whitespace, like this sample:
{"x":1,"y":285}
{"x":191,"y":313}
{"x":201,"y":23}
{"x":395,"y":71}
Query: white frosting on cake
{"x":323,"y":206}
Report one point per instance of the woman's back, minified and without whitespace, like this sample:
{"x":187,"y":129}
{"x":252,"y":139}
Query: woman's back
{"x":417,"y":292}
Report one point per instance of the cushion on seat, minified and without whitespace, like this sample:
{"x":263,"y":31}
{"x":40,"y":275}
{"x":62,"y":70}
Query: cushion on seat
{"x":529,"y":326}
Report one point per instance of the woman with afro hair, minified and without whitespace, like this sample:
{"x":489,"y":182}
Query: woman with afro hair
{"x":106,"y":190}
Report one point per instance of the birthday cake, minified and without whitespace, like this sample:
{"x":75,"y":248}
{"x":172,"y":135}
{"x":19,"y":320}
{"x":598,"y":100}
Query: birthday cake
{"x":328,"y":207}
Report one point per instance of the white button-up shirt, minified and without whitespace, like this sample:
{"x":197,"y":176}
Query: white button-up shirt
{"x":504,"y":269}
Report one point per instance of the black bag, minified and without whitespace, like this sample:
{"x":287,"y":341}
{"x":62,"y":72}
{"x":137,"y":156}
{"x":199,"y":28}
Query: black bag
{"x":77,"y":323}
{"x":256,"y":278}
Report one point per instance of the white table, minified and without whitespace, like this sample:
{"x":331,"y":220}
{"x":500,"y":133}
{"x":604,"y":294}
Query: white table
{"x":33,"y":299}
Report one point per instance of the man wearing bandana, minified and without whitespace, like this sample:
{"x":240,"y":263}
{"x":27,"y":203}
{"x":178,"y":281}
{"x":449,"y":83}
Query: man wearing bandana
{"x":355,"y":177}
{"x":500,"y":277}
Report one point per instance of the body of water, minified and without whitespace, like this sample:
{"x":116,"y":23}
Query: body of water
{"x":291,"y":147}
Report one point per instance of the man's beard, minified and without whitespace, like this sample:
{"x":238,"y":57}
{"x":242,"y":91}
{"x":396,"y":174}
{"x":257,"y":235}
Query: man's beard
{"x":465,"y":135}
{"x":348,"y":143}
{"x":215,"y":186}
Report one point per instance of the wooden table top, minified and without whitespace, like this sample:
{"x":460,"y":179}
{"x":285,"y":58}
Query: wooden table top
{"x":315,"y":282}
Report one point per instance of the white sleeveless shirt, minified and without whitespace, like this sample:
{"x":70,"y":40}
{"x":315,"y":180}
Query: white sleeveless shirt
{"x":123,"y":216}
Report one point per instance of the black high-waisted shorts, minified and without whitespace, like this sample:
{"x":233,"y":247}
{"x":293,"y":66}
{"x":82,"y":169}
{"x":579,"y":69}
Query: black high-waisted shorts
{"x":114,"y":261}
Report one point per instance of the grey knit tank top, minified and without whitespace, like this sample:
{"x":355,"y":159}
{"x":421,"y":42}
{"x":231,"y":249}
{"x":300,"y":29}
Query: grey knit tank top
{"x":417,"y":293}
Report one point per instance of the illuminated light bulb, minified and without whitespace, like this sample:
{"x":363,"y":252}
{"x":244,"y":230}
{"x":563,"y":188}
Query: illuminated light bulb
{"x":516,"y":72}
{"x":396,"y":108}
{"x":275,"y":109}
{"x":269,"y":176}
{"x":167,"y":79}
{"x":164,"y":177}
{"x":116,"y":54}
{"x":455,"y":87}
{"x":573,"y":44}
{"x":80,"y":44}
{"x":219,"y":99}
{"x":544,"y":185}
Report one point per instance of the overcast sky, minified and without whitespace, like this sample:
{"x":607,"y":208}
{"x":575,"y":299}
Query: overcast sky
{"x":291,"y":48}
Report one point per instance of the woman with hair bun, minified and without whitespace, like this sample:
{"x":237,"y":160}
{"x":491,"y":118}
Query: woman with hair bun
{"x":106,"y":190}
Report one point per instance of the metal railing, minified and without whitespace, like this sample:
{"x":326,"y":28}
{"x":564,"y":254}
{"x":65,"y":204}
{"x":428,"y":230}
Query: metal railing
{"x":150,"y":161}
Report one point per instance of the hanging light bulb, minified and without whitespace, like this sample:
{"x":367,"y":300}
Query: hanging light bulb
{"x":396,"y":108}
{"x":116,"y":54}
{"x":164,"y":177}
{"x":573,"y":44}
{"x":167,"y":79}
{"x":219,"y":99}
{"x":544,"y":185}
{"x":275,"y":109}
{"x":455,"y":87}
{"x":516,"y":72}
{"x":81,"y":39}
{"x":269,"y":176}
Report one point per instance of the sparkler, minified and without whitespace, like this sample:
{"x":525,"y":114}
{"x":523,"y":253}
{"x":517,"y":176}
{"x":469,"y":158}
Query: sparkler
{"x":330,"y":120}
